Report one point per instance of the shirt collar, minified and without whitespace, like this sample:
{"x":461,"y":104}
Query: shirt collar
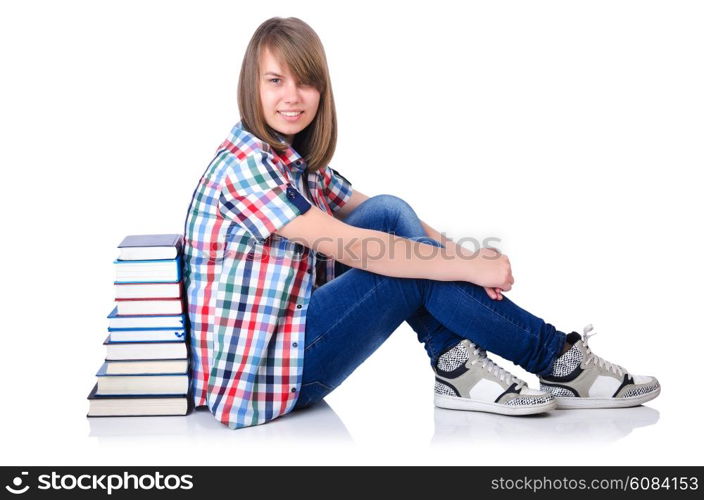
{"x":291,"y":157}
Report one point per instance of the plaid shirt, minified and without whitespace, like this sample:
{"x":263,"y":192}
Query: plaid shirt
{"x":248,"y":288}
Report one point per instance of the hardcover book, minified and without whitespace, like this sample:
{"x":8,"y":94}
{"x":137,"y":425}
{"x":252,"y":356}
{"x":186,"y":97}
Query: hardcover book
{"x":148,"y":307}
{"x":145,"y":350}
{"x":150,"y":246}
{"x":141,"y":383}
{"x":149,"y":290}
{"x":141,"y":366}
{"x":148,"y":271}
{"x":119,"y":322}
{"x":161,"y":335}
{"x":136,"y":406}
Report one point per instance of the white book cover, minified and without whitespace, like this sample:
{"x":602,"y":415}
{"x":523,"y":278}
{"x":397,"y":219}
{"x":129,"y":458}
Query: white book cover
{"x":135,"y":367}
{"x":153,"y":307}
{"x":144,"y":350}
{"x":145,"y":271}
{"x":142,"y":384}
{"x":147,"y":290}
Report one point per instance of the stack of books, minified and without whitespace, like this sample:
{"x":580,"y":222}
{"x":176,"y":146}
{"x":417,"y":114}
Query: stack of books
{"x":146,"y":364}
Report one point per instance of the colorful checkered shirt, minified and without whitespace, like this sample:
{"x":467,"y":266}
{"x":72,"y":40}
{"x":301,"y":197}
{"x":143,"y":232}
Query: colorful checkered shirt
{"x":248,"y":288}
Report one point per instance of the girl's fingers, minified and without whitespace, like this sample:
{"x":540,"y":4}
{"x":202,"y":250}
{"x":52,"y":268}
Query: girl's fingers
{"x":494,"y":292}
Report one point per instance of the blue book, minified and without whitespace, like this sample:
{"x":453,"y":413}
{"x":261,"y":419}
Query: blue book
{"x":150,"y":246}
{"x":139,"y":322}
{"x":148,"y":271}
{"x":147,"y":335}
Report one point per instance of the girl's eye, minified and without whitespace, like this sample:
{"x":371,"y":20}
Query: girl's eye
{"x":274,"y":80}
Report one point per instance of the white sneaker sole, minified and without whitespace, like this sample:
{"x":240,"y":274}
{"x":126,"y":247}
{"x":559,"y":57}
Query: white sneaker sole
{"x":575,"y":403}
{"x":457,"y":403}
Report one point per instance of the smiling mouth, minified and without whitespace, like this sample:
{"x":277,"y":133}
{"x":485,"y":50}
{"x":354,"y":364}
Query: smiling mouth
{"x":290,"y":113}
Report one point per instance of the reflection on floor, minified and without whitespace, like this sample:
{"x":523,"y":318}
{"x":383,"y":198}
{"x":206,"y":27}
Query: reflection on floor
{"x":318,"y":423}
{"x":455,"y":427}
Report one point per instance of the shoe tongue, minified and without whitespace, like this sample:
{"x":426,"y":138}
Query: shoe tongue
{"x":477,"y":353}
{"x":573,"y":337}
{"x":575,"y":351}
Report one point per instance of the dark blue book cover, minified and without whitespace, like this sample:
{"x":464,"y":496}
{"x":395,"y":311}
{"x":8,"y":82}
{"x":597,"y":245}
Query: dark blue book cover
{"x":93,"y":395}
{"x":152,"y":240}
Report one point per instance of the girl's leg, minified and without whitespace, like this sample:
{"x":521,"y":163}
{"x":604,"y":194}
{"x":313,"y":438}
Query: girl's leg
{"x":393,"y":215}
{"x":349,"y":317}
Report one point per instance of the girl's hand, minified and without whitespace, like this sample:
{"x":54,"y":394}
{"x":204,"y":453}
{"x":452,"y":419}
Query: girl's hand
{"x":492,"y":271}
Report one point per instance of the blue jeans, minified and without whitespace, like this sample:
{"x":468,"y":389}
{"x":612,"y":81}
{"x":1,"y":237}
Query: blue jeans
{"x":350,"y":316}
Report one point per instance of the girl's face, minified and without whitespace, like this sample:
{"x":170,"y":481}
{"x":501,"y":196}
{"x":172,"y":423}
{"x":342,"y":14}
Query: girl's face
{"x":288,"y":106}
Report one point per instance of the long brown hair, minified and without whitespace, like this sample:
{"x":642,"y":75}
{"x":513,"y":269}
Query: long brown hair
{"x":295,"y":43}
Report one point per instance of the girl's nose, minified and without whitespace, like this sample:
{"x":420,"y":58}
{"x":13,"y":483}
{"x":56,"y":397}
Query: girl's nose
{"x":291,"y":93}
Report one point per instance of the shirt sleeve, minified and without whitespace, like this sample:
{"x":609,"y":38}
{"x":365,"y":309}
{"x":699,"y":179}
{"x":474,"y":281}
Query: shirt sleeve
{"x":257,"y":196}
{"x":336,"y":187}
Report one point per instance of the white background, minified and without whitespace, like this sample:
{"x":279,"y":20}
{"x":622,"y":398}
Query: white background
{"x":570,"y":130}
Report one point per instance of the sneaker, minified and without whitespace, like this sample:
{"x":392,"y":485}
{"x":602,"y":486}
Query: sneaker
{"x":581,"y":379}
{"x":466,"y":379}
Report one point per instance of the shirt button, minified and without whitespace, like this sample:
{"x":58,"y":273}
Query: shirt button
{"x":298,"y":162}
{"x":293,"y":389}
{"x":295,"y":344}
{"x":298,"y":306}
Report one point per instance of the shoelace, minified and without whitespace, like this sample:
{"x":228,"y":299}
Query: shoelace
{"x":598,"y":361}
{"x":495,"y":369}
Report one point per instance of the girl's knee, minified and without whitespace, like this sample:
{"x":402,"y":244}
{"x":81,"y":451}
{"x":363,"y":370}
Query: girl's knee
{"x":388,"y":213}
{"x":392,"y":205}
{"x":390,"y":201}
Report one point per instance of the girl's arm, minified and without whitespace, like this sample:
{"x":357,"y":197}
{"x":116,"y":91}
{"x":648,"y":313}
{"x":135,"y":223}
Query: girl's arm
{"x":355,"y":200}
{"x":494,"y":293}
{"x":390,"y":255}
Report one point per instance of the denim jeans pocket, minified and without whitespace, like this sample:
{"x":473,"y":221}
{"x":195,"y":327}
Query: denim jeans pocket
{"x":312,"y":392}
